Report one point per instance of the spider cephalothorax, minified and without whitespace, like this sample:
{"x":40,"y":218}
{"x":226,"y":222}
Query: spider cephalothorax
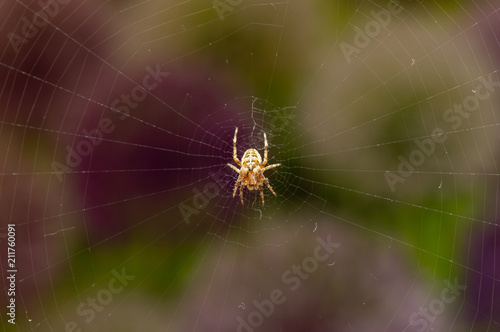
{"x":251,"y":172}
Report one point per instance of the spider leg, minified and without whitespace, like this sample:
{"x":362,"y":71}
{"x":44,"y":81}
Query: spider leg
{"x":269,"y":167}
{"x":241,"y":195}
{"x":269,"y":186}
{"x":262,"y":195}
{"x":234,"y":167}
{"x":265,"y":151}
{"x":236,"y":184}
{"x":235,"y":156}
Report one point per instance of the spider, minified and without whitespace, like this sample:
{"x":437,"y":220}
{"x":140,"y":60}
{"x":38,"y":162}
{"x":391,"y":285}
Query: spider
{"x":251,"y":173}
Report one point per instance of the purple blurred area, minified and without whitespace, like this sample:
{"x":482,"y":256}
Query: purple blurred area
{"x":67,"y":82}
{"x":484,"y":276}
{"x":61,"y":78}
{"x":484,"y":255}
{"x":155,"y":147}
{"x":46,"y":65}
{"x":42,"y":71}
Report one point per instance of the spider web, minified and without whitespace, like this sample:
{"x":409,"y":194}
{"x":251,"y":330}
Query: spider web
{"x":116,"y":130}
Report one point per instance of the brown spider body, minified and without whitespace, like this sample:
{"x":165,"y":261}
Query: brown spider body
{"x":251,"y":172}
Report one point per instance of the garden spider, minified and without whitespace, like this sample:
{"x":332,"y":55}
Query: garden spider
{"x":251,"y":173}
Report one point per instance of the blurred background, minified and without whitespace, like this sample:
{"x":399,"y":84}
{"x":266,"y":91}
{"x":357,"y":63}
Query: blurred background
{"x":116,"y":127}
